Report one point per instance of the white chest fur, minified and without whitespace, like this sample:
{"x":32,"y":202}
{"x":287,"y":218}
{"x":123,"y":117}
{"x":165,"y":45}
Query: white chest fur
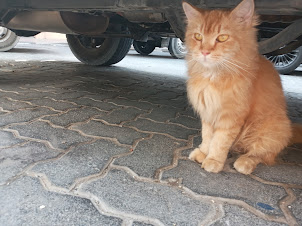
{"x":205,"y":99}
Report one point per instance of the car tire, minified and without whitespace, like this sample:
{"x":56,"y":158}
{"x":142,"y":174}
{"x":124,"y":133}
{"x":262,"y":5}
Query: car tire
{"x":177,"y":48}
{"x":104,"y":51}
{"x":8,"y":39}
{"x":144,"y":48}
{"x":287,"y":63}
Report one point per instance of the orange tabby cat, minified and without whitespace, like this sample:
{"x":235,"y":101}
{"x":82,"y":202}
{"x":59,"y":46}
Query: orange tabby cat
{"x":235,"y":90}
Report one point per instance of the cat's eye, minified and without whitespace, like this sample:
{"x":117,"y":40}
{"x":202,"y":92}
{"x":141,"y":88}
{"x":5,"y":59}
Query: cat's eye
{"x":198,"y":36}
{"x":222,"y":38}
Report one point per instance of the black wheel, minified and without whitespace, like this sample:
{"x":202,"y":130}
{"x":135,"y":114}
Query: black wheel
{"x":286,"y":63}
{"x":8,"y":39}
{"x":177,"y":48}
{"x":99,"y":51}
{"x":144,"y":48}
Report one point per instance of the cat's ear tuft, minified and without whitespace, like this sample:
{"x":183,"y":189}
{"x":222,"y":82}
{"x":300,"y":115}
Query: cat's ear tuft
{"x":190,"y":11}
{"x":244,"y":12}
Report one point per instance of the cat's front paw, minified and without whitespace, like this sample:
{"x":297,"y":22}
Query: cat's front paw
{"x":212,"y":165}
{"x":245,"y":165}
{"x":197,"y":155}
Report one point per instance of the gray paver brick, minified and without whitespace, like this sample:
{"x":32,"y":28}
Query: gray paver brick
{"x":292,"y":154}
{"x":14,"y":160}
{"x":188,"y":122}
{"x":120,"y":115}
{"x":92,"y":103}
{"x":28,"y":95}
{"x":24,"y":115}
{"x":141,"y":224}
{"x":157,"y":201}
{"x":103,"y":95}
{"x":140,"y":93}
{"x":173,"y":130}
{"x":123,"y":135}
{"x":296,"y":206}
{"x":228,"y":185}
{"x":84,"y":160}
{"x":132,"y":103}
{"x":9,"y":105}
{"x":73,"y":116}
{"x":238,"y":216}
{"x":280,"y":173}
{"x":161,"y":113}
{"x":59,"y":138}
{"x":8,"y":139}
{"x":179,"y":102}
{"x":196,"y":142}
{"x":150,"y":155}
{"x":25,"y":202}
{"x":57,"y":105}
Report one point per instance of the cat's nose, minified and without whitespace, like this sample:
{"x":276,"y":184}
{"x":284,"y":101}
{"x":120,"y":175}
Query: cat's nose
{"x":205,"y":52}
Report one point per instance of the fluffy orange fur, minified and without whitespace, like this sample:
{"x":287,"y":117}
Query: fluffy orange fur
{"x":234,"y":89}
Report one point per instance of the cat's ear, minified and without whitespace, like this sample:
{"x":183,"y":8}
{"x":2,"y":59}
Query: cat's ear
{"x":244,"y":12}
{"x":190,"y":11}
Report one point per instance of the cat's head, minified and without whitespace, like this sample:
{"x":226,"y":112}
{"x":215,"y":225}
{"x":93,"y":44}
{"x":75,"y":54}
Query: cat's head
{"x":215,"y":38}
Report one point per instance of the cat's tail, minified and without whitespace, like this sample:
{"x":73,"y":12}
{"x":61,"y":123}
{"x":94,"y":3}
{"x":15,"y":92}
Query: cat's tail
{"x":297,"y":134}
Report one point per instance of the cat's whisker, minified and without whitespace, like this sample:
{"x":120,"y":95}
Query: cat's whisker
{"x":236,"y":65}
{"x":229,"y":68}
{"x":239,"y":62}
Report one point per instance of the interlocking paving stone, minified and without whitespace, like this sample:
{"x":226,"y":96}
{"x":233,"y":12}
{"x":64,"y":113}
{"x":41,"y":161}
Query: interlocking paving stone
{"x":14,"y":160}
{"x":196,"y":142}
{"x":24,"y":115}
{"x":189,"y":112}
{"x":28,"y":95}
{"x":141,"y":93}
{"x":58,"y":137}
{"x":154,"y":200}
{"x":280,"y":173}
{"x":8,"y":139}
{"x":238,"y":216}
{"x":9,"y":105}
{"x":123,"y":135}
{"x":165,"y":95}
{"x":292,"y":154}
{"x":73,"y":116}
{"x":173,"y":130}
{"x":132,"y":103}
{"x":82,"y":161}
{"x":228,"y":185}
{"x":179,"y":102}
{"x":141,"y":224}
{"x":161,"y":113}
{"x":92,"y":103}
{"x":120,"y":115}
{"x":25,"y":202}
{"x":103,"y":95}
{"x":116,"y":88}
{"x":67,"y":95}
{"x":188,"y":122}
{"x":296,"y":206}
{"x":57,"y":105}
{"x":150,"y":155}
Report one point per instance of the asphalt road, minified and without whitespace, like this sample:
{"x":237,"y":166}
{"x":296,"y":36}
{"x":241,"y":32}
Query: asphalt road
{"x":83,"y":145}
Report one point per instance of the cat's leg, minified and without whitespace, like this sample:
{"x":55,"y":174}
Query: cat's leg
{"x":219,"y":149}
{"x":263,"y":145}
{"x":200,"y":153}
{"x":246,"y":164}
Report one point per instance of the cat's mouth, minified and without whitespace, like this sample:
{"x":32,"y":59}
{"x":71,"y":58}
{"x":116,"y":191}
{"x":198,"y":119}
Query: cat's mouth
{"x":206,"y":61}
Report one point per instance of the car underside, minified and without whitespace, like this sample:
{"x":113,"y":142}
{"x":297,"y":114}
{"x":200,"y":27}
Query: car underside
{"x":90,"y":23}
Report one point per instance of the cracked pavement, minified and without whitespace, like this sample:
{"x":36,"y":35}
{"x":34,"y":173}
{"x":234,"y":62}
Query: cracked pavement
{"x":84,"y":145}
